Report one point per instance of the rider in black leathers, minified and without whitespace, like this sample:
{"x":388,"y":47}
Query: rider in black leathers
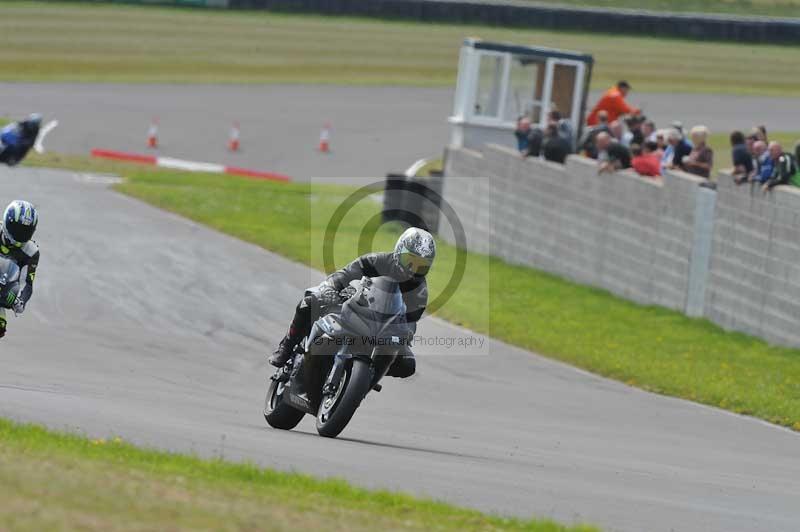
{"x":408,"y":264}
{"x":16,"y":229}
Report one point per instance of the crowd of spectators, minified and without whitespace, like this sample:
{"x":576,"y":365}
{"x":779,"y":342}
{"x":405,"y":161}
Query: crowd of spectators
{"x":762,"y":163}
{"x":554,"y":142}
{"x":619,"y":136}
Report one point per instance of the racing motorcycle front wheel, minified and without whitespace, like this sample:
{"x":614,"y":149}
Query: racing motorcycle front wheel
{"x":336,"y":409}
{"x":277,"y":413}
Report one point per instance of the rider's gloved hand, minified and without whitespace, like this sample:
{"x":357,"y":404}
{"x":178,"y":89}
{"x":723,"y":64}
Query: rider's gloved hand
{"x":328,"y":295}
{"x":19,"y":306}
{"x":348,"y":291}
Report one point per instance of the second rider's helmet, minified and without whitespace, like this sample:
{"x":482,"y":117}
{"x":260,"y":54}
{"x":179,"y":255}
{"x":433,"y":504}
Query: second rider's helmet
{"x":30,"y":126}
{"x":19,"y":223}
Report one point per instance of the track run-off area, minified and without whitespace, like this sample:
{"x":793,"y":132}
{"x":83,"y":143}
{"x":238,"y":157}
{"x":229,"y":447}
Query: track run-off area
{"x":154,"y":328}
{"x":374,"y":130}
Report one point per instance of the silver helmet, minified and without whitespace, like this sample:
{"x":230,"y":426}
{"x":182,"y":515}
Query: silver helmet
{"x":415,"y":251}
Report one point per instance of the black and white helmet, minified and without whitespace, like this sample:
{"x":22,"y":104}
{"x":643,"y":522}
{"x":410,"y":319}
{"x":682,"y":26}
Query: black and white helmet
{"x":415,"y":251}
{"x":19,"y":222}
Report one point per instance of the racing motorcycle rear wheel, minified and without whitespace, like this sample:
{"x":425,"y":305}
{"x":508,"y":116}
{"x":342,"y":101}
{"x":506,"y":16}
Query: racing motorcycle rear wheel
{"x":277,"y":413}
{"x":337,"y":409}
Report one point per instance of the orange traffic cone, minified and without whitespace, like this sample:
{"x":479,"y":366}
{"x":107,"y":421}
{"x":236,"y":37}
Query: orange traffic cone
{"x":233,"y":141}
{"x":325,"y":138}
{"x":152,"y":134}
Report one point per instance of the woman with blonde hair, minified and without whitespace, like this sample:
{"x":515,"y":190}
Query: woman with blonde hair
{"x":701,"y":159}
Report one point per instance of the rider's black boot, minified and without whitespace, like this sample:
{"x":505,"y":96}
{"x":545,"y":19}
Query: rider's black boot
{"x":284,"y":352}
{"x":403,"y":366}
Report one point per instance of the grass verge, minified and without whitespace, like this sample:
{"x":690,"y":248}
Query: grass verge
{"x":112,"y":43}
{"x":650,"y":347}
{"x":49,"y":481}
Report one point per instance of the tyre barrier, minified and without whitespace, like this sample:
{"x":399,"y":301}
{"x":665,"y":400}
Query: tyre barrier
{"x":518,"y":14}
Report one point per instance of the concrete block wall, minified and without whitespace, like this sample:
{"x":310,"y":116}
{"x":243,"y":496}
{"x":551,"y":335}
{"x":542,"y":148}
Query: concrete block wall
{"x":732,"y":255}
{"x":630,"y":235}
{"x":754,"y":281}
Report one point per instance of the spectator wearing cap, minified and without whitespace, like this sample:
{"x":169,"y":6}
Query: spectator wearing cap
{"x":742,"y":158}
{"x":645,"y":160}
{"x":613,"y":102}
{"x":680,"y":148}
{"x":784,"y":168}
{"x":555,"y":147}
{"x":700,"y":160}
{"x":611,"y":154}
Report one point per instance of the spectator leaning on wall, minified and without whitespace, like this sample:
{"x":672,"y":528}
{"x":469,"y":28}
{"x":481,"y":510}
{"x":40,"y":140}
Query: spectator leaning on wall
{"x":667,"y":150}
{"x":613,"y":102}
{"x":700,"y":160}
{"x":634,"y":135}
{"x":555,"y":147}
{"x":742,"y":157}
{"x":611,"y":154}
{"x":680,"y":148}
{"x":784,"y":169}
{"x":763,"y":170}
{"x":563,"y":125}
{"x":645,"y":160}
{"x":522,"y":133}
{"x":587,"y":142}
{"x":529,"y":139}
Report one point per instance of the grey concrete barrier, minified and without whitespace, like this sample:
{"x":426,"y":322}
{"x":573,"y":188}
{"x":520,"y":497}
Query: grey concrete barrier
{"x":754,"y":275}
{"x":731,"y":255}
{"x":513,"y":13}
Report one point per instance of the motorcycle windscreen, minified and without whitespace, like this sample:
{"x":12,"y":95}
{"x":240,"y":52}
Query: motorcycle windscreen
{"x":383,"y":309}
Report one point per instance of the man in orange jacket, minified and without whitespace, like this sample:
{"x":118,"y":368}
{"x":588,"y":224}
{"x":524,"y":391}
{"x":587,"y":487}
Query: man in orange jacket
{"x":613,"y":102}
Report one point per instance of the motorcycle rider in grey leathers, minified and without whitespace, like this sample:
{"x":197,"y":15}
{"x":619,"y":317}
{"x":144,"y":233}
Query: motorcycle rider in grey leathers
{"x":408,"y":264}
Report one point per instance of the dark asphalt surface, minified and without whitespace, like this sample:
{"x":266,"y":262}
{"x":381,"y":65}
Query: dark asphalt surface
{"x":375,"y":130}
{"x":154,"y":328}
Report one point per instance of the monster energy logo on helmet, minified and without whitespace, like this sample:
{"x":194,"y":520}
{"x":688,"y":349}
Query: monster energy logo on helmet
{"x":415,"y":251}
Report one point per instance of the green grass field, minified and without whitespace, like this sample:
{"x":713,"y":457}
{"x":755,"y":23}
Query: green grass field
{"x":649,"y":347}
{"x":113,"y":43}
{"x":53,"y":481}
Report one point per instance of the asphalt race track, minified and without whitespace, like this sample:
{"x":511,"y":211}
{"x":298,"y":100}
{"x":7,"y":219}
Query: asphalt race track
{"x":154,"y":328}
{"x":375,"y":129}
